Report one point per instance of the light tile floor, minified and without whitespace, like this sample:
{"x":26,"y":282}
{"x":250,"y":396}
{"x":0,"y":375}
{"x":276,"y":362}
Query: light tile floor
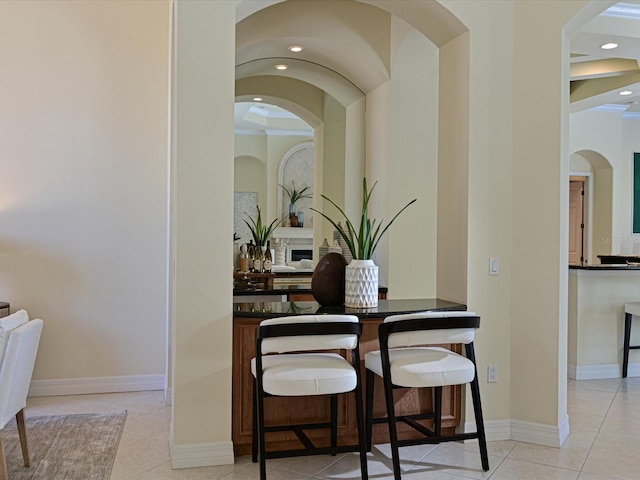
{"x":604,"y":444}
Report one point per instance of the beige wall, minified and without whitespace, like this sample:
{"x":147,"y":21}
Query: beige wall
{"x":83,"y":217}
{"x":412,"y":166}
{"x":609,"y":141}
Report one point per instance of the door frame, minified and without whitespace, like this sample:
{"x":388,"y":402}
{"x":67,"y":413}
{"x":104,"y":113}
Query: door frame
{"x":587,"y":212}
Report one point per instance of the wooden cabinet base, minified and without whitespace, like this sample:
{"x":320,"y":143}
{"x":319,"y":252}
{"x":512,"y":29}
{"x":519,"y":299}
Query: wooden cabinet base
{"x":310,"y":409}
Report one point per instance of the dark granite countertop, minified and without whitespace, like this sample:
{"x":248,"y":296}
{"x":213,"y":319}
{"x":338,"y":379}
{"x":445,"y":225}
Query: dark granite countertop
{"x":277,"y":290}
{"x":282,"y":289}
{"x":384,"y":308}
{"x":612,"y":266}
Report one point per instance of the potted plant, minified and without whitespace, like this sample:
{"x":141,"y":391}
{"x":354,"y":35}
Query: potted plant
{"x":260,"y":231}
{"x":295,"y":195}
{"x":361,"y":277}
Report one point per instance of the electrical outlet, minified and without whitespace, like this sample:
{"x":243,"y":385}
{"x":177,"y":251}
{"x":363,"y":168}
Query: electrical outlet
{"x":492,"y":374}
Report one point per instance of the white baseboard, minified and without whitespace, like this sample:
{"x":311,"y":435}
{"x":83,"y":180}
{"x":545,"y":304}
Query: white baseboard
{"x":494,"y":429}
{"x":595,"y":372}
{"x":81,"y":386}
{"x":523,"y":431}
{"x":200,"y":454}
{"x":540,"y":434}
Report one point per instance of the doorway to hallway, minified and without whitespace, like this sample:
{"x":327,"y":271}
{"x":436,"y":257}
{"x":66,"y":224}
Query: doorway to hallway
{"x":576,"y":219}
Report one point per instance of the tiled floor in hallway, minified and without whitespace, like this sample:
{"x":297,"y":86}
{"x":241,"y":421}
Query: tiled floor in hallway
{"x":603,"y":445}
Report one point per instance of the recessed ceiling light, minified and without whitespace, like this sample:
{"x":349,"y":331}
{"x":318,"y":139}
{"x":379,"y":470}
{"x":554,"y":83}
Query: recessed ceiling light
{"x":625,"y":92}
{"x":281,"y":66}
{"x":295,"y":48}
{"x":609,"y":46}
{"x":257,"y":99}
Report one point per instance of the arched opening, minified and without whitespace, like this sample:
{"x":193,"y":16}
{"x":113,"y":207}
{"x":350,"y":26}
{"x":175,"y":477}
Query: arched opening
{"x":598,"y":201}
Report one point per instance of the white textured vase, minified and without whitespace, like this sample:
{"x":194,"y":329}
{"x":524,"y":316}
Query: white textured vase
{"x":361,"y":284}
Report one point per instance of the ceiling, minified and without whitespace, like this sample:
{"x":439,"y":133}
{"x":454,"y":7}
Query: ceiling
{"x":259,"y":118}
{"x":597,"y":75}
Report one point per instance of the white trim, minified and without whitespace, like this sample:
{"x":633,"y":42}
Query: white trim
{"x":494,"y":430}
{"x":81,"y":386}
{"x":200,"y":454}
{"x":523,"y":431}
{"x":564,"y":430}
{"x":539,"y":434}
{"x":596,"y":372}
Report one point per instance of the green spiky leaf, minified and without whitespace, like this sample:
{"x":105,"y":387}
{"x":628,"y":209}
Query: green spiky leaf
{"x":363,"y":241}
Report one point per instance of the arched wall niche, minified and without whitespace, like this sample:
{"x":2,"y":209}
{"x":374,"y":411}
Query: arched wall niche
{"x":600,"y":201}
{"x":297,"y":168}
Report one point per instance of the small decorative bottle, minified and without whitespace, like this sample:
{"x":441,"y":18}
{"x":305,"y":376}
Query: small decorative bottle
{"x":266,"y":263}
{"x":252,"y":255}
{"x":257,"y":259}
{"x":243,"y":263}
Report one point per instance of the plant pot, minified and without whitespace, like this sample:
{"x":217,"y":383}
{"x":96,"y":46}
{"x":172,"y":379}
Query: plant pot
{"x":361,"y":284}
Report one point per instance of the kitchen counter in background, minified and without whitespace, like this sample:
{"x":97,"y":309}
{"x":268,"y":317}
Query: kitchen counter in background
{"x":597,"y":294}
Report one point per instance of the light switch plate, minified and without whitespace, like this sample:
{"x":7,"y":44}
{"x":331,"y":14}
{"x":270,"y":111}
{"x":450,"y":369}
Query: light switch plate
{"x":494,"y":266}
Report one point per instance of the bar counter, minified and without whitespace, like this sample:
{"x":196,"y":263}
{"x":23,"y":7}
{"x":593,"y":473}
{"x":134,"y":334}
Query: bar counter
{"x":246,"y":318}
{"x":597,"y":294}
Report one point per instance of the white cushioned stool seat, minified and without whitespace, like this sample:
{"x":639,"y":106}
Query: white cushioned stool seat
{"x":423,"y":366}
{"x":306,"y":374}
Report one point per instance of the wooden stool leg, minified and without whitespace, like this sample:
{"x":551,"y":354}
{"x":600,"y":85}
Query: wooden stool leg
{"x":393,"y":435}
{"x":22,"y":432}
{"x":254,"y":427}
{"x":360,"y":418}
{"x":437,"y":402}
{"x":334,"y":422}
{"x":369,"y":407}
{"x":627,"y":340}
{"x":3,"y":465}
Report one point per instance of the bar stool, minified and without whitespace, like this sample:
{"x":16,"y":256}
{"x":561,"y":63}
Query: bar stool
{"x":290,"y":363}
{"x":404,"y":361}
{"x":630,"y":309}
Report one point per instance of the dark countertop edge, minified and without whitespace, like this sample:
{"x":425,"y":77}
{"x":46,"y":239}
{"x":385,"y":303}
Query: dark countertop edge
{"x":284,"y":290}
{"x":611,"y":267}
{"x":384,"y":308}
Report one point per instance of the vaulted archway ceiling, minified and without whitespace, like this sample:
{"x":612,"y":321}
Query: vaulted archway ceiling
{"x":346,"y":45}
{"x":599,"y":75}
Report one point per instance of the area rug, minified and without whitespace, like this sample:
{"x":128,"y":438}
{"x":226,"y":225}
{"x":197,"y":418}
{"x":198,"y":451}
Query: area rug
{"x":65,"y":447}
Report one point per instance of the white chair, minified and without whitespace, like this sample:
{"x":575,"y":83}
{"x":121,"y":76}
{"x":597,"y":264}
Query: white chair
{"x":404,"y":361}
{"x":19,"y":340}
{"x":290,"y":362}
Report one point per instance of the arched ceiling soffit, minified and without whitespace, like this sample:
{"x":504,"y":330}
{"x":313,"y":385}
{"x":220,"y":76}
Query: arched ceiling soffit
{"x":345,"y":42}
{"x":595,"y":159}
{"x":300,"y":98}
{"x":429,"y":17}
{"x":322,"y":78}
